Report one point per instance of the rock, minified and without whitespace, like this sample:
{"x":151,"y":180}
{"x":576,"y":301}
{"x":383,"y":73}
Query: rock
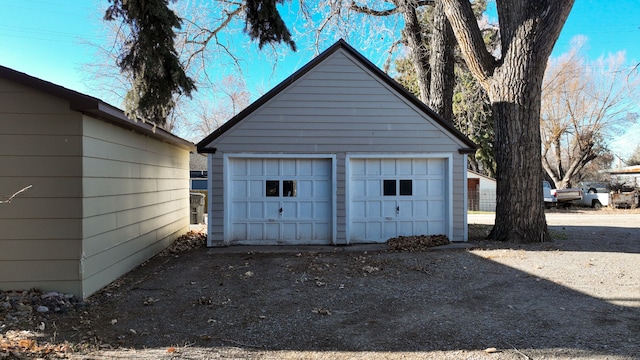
{"x":42,"y":309}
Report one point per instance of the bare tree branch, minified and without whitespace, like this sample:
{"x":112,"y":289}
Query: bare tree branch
{"x":10,"y":198}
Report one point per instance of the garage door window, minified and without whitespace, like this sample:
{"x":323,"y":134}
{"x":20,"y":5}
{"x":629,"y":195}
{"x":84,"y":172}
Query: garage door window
{"x":406,"y":187}
{"x":390,"y":187}
{"x":272,"y":188}
{"x":289,"y":188}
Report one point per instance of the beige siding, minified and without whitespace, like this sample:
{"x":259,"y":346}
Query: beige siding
{"x":338,"y":107}
{"x":41,"y":230}
{"x":103,"y":198}
{"x":136,"y":200}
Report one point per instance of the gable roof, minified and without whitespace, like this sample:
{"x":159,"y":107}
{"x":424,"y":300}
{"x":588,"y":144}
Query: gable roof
{"x":339,"y":45}
{"x":94,"y":107}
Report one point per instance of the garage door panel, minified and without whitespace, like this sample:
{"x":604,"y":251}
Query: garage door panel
{"x":437,"y":227}
{"x":256,"y":211}
{"x":404,"y":167}
{"x":390,"y":229}
{"x":405,"y":228}
{"x":388,"y":208}
{"x":255,"y":167}
{"x":420,"y":187}
{"x":436,"y":209}
{"x":435,"y":187}
{"x":373,"y":209}
{"x":321,"y":208}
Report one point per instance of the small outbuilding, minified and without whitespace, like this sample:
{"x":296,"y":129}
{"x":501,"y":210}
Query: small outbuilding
{"x":481,"y":191}
{"x":338,"y":153}
{"x":106,"y":193}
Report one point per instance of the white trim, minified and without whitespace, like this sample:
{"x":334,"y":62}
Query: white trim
{"x":449,"y":180}
{"x":210,"y":199}
{"x":227,"y":195}
{"x":465,"y":220}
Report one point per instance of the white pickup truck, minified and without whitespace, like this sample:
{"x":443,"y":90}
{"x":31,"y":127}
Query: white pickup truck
{"x":594,"y":194}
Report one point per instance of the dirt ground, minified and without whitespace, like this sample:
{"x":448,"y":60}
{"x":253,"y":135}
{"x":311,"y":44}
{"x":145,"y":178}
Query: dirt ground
{"x":578,"y":297}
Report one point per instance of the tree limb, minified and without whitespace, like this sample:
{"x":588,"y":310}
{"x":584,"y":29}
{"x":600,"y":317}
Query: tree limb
{"x":465,"y":27}
{"x":10,"y":198}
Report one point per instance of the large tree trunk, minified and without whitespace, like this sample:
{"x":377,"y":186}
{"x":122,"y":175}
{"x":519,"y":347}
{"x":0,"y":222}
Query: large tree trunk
{"x":519,"y":199}
{"x":529,"y":30}
{"x":443,"y":43}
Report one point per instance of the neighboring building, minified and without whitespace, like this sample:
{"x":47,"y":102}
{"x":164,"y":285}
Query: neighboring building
{"x":197,"y":172}
{"x":338,"y":153}
{"x":625,"y":178}
{"x":107,"y":193}
{"x":482,"y":192}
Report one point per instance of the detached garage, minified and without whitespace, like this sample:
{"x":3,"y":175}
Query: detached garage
{"x":106,"y":192}
{"x":338,"y":153}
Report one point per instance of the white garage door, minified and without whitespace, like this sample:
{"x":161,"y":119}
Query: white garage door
{"x":394,"y":197}
{"x":280,"y":201}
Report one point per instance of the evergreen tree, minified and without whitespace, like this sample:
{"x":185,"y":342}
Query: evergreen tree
{"x":151,"y":58}
{"x":265,"y":24}
{"x":150,"y":55}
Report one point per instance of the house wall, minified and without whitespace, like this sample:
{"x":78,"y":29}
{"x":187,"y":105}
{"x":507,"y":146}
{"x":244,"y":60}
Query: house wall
{"x":336,"y":108}
{"x":135,"y":200}
{"x":41,"y":230}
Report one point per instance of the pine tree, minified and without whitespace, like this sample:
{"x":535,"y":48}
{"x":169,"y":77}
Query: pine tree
{"x":151,"y":58}
{"x":265,"y":24}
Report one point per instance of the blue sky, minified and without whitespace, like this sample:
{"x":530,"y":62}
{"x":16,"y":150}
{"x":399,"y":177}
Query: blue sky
{"x":47,"y":40}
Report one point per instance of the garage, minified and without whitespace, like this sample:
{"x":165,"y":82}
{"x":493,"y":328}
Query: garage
{"x":338,"y":153}
{"x":392,"y":197}
{"x":280,"y":201}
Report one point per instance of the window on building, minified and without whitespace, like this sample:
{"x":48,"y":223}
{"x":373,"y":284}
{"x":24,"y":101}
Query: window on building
{"x":406,"y":187}
{"x":389,"y":188}
{"x":272,"y":188}
{"x":289,"y":188}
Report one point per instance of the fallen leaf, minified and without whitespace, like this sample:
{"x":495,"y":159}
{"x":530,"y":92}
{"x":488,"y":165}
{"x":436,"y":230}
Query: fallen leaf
{"x":321,"y":311}
{"x":171,"y":350}
{"x":150,"y":301}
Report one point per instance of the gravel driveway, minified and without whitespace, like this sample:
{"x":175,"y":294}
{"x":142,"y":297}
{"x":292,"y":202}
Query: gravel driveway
{"x":578,"y":297}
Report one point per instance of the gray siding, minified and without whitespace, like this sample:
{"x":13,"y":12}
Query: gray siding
{"x":338,"y":107}
{"x":343,"y":108}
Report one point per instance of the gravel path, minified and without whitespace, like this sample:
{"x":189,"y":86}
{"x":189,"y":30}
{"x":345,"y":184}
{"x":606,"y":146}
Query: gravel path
{"x":575,"y":298}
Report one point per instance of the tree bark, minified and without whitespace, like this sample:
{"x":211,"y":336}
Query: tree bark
{"x":418,"y":52}
{"x":529,"y":30}
{"x":442,"y":60}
